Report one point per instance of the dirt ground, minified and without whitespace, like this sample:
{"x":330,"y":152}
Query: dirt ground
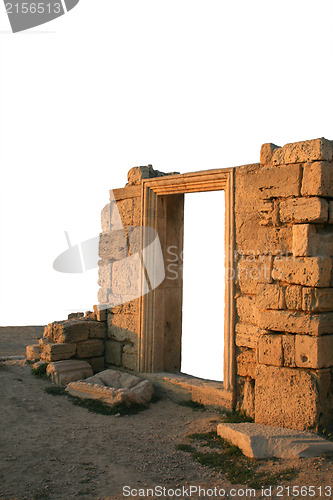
{"x":53,"y":449}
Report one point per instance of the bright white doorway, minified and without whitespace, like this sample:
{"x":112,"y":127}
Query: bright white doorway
{"x":203,"y":285}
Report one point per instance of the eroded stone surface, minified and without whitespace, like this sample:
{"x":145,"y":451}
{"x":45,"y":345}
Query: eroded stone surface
{"x":64,"y":372}
{"x":263,"y":441}
{"x":113,"y":387}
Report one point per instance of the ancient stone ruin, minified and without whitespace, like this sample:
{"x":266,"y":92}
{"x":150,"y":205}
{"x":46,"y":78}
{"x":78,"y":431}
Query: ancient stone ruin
{"x":278,"y":320}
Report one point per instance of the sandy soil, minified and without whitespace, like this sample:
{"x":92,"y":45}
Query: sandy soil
{"x":53,"y":449}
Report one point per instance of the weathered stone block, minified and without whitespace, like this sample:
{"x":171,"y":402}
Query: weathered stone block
{"x":246,"y":364}
{"x":136,"y":212}
{"x":254,"y":239}
{"x":105,"y":273}
{"x":57,"y":352}
{"x":247,"y":310}
{"x":270,"y":350}
{"x":248,"y":398}
{"x":97,"y":330}
{"x":297,"y":322}
{"x":279,"y":181}
{"x":113,"y":352}
{"x":303,"y":151}
{"x":306,"y":271}
{"x":253,"y":271}
{"x":270,"y":296}
{"x":33,"y":352}
{"x":90,"y":348}
{"x":317,"y":299}
{"x":293,"y":297}
{"x":288,"y":397}
{"x":136,"y":174}
{"x":309,"y":240}
{"x":314,"y":352}
{"x":126,"y":278}
{"x":266,"y":152}
{"x":64,"y":372}
{"x":131,"y":307}
{"x":317,"y":179}
{"x":248,"y":335}
{"x":75,"y":315}
{"x":113,"y":245}
{"x":302,"y":210}
{"x":125,"y":208}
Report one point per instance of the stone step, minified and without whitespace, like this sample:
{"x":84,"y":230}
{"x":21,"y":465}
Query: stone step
{"x":264,"y":441}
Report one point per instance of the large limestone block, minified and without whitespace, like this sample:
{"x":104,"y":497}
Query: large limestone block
{"x":248,"y":335}
{"x":300,"y":210}
{"x":297,"y":322}
{"x":251,"y":272}
{"x":100,"y":313}
{"x":113,"y":245}
{"x":90,"y":348}
{"x":271,"y":350}
{"x":277,"y":181}
{"x":253,"y":239}
{"x":314,"y":352}
{"x":270,"y":296}
{"x":317,"y":299}
{"x":97,"y":330}
{"x":247,"y":310}
{"x":57,"y":352}
{"x":266,"y":152}
{"x":306,"y":271}
{"x":74,"y":330}
{"x":106,"y":218}
{"x":309,"y":240}
{"x":317,"y":179}
{"x":290,"y":397}
{"x":263,"y":441}
{"x":33,"y":352}
{"x":113,"y":387}
{"x":64,"y":372}
{"x":126,"y":278}
{"x":303,"y":151}
{"x":97,"y":364}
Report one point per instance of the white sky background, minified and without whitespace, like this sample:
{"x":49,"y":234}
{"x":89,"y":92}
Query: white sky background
{"x":183,"y":85}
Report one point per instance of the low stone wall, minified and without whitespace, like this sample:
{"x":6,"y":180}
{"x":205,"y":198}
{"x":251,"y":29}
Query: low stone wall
{"x":78,"y":337}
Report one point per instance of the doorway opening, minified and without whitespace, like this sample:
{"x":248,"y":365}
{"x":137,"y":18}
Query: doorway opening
{"x":202,"y":342}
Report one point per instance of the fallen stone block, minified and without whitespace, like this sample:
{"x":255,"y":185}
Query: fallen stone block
{"x":57,"y":352}
{"x":263,"y":441}
{"x":113,"y":387}
{"x":64,"y":372}
{"x":33,"y":352}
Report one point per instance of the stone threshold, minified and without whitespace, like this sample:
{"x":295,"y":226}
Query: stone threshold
{"x":181,"y":387}
{"x":265,"y":441}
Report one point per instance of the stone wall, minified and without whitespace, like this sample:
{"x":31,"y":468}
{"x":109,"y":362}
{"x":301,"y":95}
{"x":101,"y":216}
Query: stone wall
{"x":282,"y":272}
{"x":284,"y":299}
